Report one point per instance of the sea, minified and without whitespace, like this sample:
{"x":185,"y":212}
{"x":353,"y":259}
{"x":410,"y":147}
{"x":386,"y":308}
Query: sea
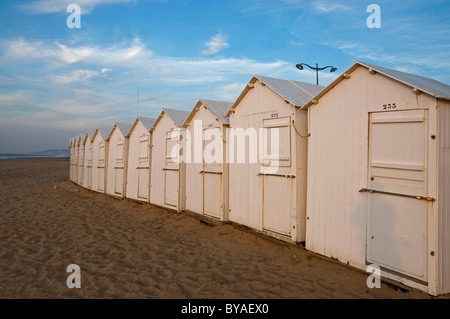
{"x":17,"y":156}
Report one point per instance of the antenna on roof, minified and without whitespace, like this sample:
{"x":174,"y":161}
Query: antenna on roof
{"x":137,"y":101}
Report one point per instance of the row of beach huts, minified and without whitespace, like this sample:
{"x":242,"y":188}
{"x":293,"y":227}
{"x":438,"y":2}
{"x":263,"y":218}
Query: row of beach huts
{"x":362,"y":172}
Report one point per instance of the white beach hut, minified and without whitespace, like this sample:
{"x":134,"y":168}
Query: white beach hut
{"x":71,"y":152}
{"x":88,"y":156}
{"x":99,"y":159}
{"x":206,"y":169}
{"x":268,"y":187}
{"x":80,"y":167}
{"x":379,"y":175}
{"x":116,"y":170}
{"x":138,"y":172}
{"x":167,"y":168}
{"x":75,"y":159}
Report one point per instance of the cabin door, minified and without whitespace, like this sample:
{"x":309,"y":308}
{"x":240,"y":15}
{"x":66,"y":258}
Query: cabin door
{"x":89,"y":166}
{"x":397,"y":198}
{"x":75,"y":167}
{"x":143,"y":168}
{"x":118,"y":182}
{"x":171,"y":169}
{"x":212,"y":172}
{"x":81,"y":173}
{"x":278,"y":181}
{"x":101,"y":167}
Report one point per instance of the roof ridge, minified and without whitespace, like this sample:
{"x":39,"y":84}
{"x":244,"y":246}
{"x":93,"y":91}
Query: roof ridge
{"x":301,"y":88}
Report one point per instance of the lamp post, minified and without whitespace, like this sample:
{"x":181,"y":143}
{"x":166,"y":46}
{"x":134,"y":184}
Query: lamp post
{"x":300,"y":67}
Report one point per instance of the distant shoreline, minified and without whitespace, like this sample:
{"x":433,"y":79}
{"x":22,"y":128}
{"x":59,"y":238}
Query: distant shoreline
{"x":22,"y":156}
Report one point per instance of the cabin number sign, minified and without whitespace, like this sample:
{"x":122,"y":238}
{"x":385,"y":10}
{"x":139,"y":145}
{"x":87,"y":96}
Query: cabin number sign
{"x":389,"y":106}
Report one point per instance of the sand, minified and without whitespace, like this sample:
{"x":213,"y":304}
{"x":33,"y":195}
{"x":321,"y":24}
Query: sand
{"x":130,"y":250}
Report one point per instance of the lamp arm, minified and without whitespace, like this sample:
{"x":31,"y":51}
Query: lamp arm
{"x":311,"y":67}
{"x":328,"y":66}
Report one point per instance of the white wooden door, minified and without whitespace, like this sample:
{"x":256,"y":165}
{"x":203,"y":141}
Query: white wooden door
{"x":397,"y":203}
{"x":278,"y":186}
{"x":81,"y":177}
{"x":171,"y":169}
{"x":89,"y":166}
{"x":118,"y":180}
{"x":212,"y":172}
{"x":101,"y":167}
{"x":143,"y":167}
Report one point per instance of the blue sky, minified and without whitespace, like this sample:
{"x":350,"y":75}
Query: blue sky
{"x":56,"y":82}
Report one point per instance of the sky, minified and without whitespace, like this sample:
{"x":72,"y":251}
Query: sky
{"x":57,"y":82}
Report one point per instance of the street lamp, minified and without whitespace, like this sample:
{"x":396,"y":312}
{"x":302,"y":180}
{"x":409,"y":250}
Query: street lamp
{"x":300,"y":67}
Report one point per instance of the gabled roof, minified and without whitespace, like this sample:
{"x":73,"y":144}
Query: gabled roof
{"x":79,"y":139}
{"x":178,"y":116}
{"x":218,"y":108}
{"x":295,"y":92}
{"x":124,"y":128}
{"x":89,"y":134}
{"x":147,"y":122}
{"x":429,"y":86}
{"x":103,"y":132}
{"x":432,"y":87}
{"x":84,"y":138}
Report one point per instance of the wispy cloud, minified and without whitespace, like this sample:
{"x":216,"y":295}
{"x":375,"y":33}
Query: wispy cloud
{"x":62,"y":54}
{"x":60,"y":6}
{"x":75,"y":76}
{"x":329,"y":6}
{"x":215,"y":45}
{"x":411,"y":61}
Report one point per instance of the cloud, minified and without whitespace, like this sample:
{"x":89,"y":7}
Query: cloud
{"x":58,"y":53}
{"x":59,"y":6}
{"x":133,"y":58}
{"x":215,"y":45}
{"x":327,"y":6}
{"x":427,"y":63}
{"x":75,"y":76}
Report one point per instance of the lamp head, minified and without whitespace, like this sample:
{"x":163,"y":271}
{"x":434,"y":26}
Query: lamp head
{"x":299,"y":66}
{"x":333,"y":69}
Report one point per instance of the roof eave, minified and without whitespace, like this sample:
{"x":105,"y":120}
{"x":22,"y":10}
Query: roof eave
{"x":161,"y":115}
{"x":247,"y":88}
{"x":343,"y":76}
{"x":192,"y":114}
{"x":401,"y":81}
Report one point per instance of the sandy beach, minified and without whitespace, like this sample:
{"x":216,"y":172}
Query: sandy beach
{"x":131,"y":250}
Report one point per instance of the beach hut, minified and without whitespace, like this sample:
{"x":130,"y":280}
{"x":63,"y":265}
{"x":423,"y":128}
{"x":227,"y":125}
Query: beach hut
{"x":167,"y":187}
{"x":80,"y":167}
{"x":267,"y":147}
{"x":75,"y":159}
{"x":71,"y":159}
{"x":138,"y":172}
{"x":207,"y":174}
{"x":88,"y":156}
{"x":116,"y":170}
{"x":99,"y":158}
{"x":379,"y":175}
